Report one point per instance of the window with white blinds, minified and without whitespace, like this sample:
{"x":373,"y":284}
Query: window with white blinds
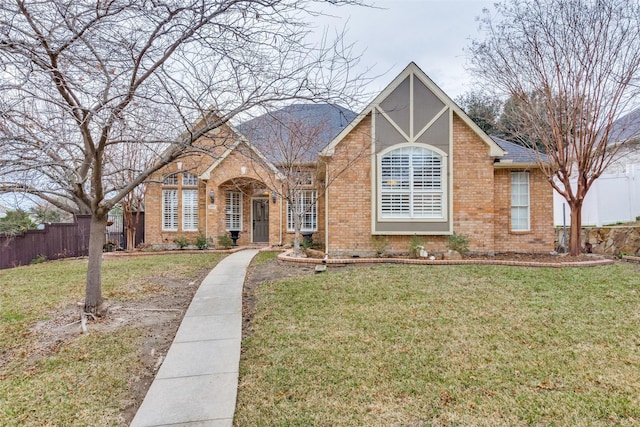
{"x":177,"y":198}
{"x":190,"y":210}
{"x":170,"y":210}
{"x":411,"y":184}
{"x":304,"y":203}
{"x":520,"y":201}
{"x":233,"y":210}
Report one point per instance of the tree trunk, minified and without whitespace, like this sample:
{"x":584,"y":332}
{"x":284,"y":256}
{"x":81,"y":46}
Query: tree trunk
{"x":296,"y":235}
{"x":575,"y":246}
{"x":93,"y":295}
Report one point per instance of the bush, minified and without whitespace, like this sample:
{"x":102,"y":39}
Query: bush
{"x":459,"y":243}
{"x":379,"y":244}
{"x":40,"y":258}
{"x":181,"y":242}
{"x":201,"y":241}
{"x":415,"y":245}
{"x":224,"y":241}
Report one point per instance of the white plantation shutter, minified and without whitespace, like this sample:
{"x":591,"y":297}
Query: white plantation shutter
{"x":233,"y":210}
{"x":411,"y":183}
{"x":190,"y":210}
{"x":170,"y":210}
{"x":306,"y":200}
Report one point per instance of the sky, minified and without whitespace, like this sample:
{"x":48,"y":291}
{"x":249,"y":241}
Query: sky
{"x":431,"y":33}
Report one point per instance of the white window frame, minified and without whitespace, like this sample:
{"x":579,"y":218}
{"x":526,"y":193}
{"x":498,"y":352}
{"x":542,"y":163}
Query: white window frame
{"x":419,"y":193}
{"x":189,"y":209}
{"x":189,"y":180}
{"x":233,"y":210}
{"x":520,"y":201}
{"x":170,"y":209}
{"x":310,"y":208}
{"x":171,"y":179}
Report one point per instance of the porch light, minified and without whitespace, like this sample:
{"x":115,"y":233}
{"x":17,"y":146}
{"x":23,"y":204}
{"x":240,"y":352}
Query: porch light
{"x":212,"y":196}
{"x":273,"y":197}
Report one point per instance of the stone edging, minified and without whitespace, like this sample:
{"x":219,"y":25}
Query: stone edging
{"x":286,"y":256}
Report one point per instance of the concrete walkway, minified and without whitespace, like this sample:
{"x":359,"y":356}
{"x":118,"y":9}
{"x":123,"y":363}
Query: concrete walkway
{"x":197,"y":382}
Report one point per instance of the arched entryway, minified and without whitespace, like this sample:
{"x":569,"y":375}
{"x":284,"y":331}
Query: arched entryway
{"x":245,"y":209}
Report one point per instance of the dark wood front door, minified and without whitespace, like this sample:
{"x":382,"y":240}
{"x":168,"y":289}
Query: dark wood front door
{"x":260,"y":220}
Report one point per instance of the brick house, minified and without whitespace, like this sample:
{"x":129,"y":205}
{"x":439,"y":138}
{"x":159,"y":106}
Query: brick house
{"x":411,"y":163}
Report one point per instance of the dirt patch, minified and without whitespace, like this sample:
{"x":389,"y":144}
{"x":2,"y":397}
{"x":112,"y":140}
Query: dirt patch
{"x":158,"y":316}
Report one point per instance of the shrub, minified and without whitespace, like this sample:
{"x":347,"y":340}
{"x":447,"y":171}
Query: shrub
{"x":224,"y":241}
{"x":459,"y":243}
{"x":201,"y":241}
{"x":181,"y":242}
{"x":40,"y":258}
{"x":415,"y":245}
{"x":379,"y":244}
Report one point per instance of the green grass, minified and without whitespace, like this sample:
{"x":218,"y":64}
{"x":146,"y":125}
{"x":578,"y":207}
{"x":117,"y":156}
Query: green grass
{"x":83,"y":382}
{"x":445,"y":345}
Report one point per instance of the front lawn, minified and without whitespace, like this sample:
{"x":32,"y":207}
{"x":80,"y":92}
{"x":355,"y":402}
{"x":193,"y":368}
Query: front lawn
{"x":51,"y":374}
{"x":445,"y":345}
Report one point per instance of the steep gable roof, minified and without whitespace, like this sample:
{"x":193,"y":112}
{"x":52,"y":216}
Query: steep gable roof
{"x":494,"y":149}
{"x":268,"y":131}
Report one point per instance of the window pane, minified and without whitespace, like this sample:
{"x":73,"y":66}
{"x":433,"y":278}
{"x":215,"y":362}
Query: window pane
{"x":170,"y":179}
{"x":169,"y":209}
{"x":189,"y":209}
{"x":233,"y":210}
{"x":189,"y":179}
{"x":520,"y":201}
{"x":305,"y":204}
{"x":411,"y":183}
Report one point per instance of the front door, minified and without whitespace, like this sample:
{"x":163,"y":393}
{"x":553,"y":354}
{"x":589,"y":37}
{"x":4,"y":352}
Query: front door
{"x":260,"y":220}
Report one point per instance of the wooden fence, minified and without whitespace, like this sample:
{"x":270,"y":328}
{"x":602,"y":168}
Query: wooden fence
{"x":55,"y":241}
{"x":60,"y":240}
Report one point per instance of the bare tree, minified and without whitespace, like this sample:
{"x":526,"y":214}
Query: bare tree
{"x":571,"y":68}
{"x":82,"y":79}
{"x":292,"y":139}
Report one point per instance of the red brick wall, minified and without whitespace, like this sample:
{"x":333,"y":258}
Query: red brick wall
{"x":540,"y":238}
{"x":481,"y":200}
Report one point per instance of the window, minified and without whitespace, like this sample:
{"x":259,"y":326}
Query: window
{"x":176,"y":199}
{"x":189,"y":180}
{"x":170,"y":180}
{"x":190,"y":210}
{"x":234,"y":210}
{"x":306,"y":203}
{"x":411,"y":184}
{"x":170,"y":210}
{"x":520,"y":201}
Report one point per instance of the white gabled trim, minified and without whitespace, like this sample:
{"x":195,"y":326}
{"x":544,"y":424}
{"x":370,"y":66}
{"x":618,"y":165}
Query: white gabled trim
{"x":413,"y":69}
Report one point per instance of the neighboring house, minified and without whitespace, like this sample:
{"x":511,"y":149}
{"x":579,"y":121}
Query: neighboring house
{"x":411,"y":163}
{"x":615,"y":196}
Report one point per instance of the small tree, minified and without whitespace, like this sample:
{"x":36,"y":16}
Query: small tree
{"x":292,"y":139}
{"x":571,"y":68}
{"x":81,"y":80}
{"x":16,"y":221}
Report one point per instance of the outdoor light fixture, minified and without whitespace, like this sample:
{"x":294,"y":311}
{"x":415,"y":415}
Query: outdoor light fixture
{"x":273,"y":197}
{"x":212,"y":196}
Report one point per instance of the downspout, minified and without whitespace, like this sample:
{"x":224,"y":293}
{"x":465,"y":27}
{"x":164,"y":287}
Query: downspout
{"x":326,"y":210}
{"x":281,"y":210}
